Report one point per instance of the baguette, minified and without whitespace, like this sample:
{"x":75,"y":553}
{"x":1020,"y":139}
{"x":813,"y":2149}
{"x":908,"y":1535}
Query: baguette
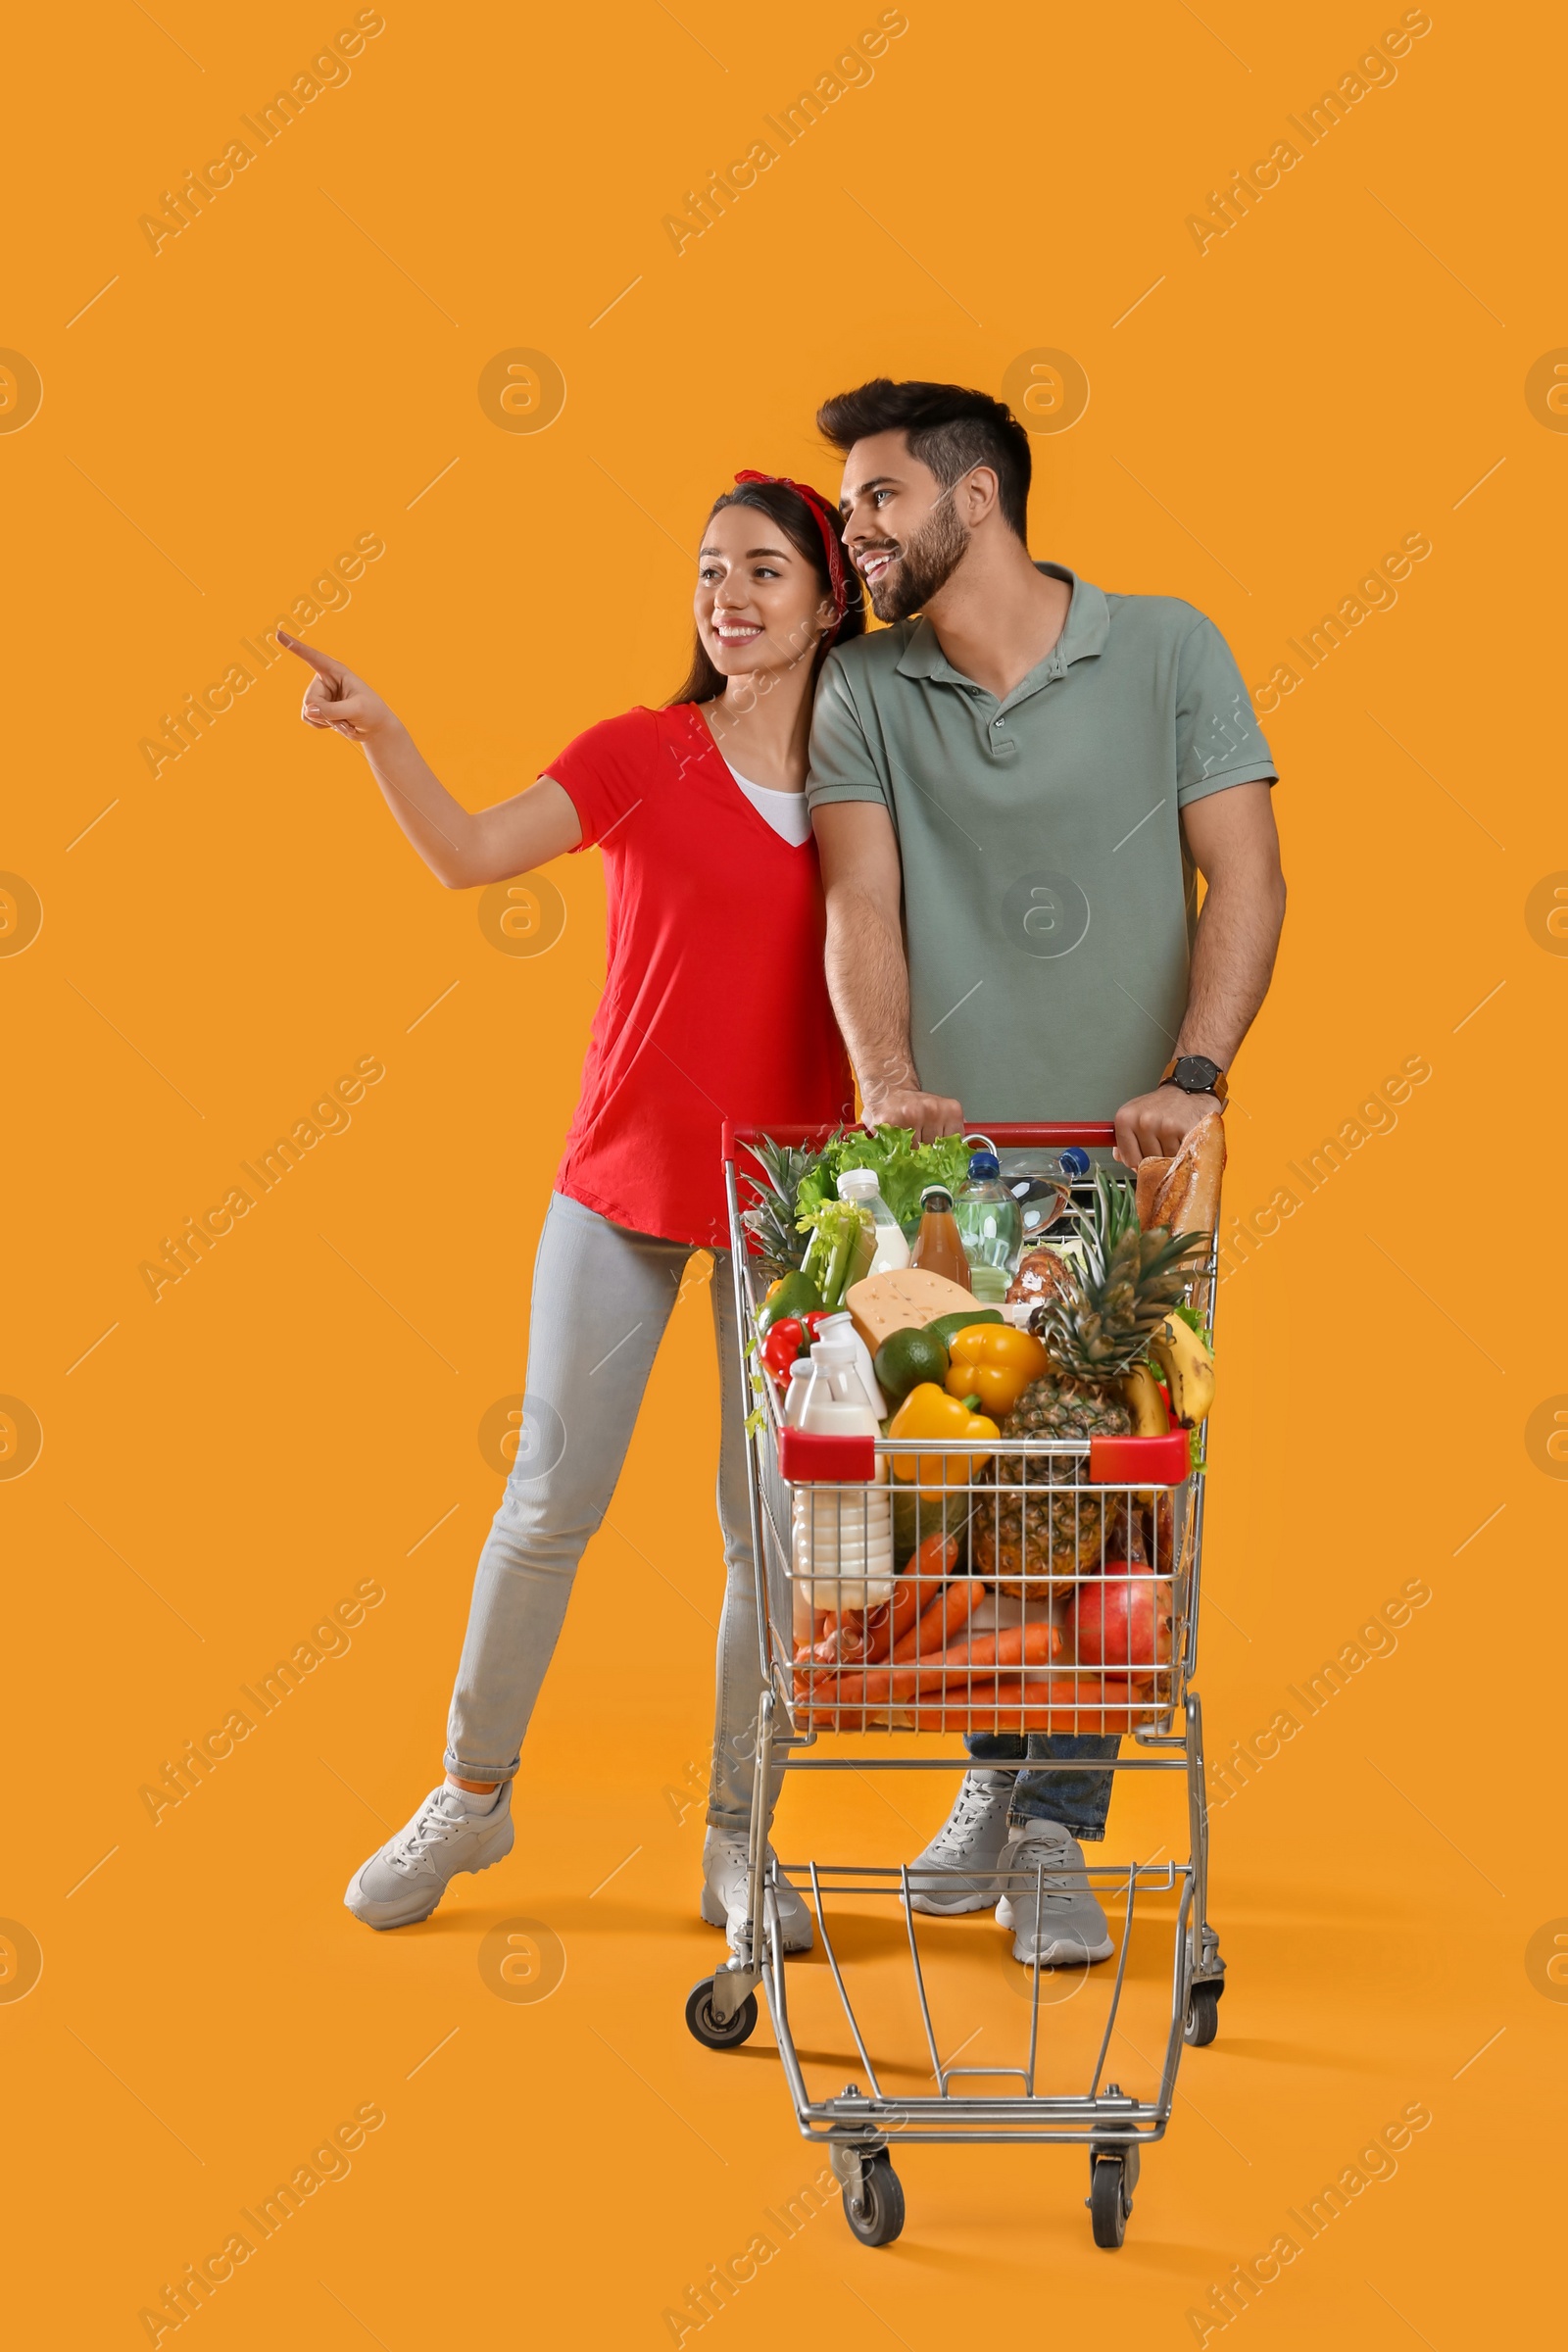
{"x":1151,"y":1176}
{"x":1186,"y":1199}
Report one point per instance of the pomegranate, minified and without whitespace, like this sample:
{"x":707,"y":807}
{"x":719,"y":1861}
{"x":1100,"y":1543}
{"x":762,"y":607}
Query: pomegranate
{"x":1122,"y":1619}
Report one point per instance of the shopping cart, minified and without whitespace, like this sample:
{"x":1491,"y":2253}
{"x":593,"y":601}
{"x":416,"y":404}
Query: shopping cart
{"x":1040,"y":1522}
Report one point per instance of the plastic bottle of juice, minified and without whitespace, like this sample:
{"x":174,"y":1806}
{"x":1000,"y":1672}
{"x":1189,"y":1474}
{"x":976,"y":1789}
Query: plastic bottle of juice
{"x":990,"y":1222}
{"x":939,"y":1247}
{"x":892,"y":1250}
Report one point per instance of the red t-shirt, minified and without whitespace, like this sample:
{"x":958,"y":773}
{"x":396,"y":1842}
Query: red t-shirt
{"x":714,"y":1006}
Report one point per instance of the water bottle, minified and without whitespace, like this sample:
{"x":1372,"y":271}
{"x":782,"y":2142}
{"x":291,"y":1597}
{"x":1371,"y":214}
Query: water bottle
{"x":842,"y":1537}
{"x":892,"y":1250}
{"x":1044,"y":1189}
{"x":989,"y":1221}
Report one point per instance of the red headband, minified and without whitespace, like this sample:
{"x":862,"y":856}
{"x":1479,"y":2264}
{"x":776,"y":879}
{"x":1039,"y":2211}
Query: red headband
{"x":824,"y":515}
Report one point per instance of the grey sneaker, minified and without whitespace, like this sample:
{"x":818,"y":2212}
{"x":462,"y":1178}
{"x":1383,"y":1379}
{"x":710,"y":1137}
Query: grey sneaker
{"x":1054,"y":1917}
{"x":966,"y":1849}
{"x":407,"y":1878}
{"x":726,"y":1860}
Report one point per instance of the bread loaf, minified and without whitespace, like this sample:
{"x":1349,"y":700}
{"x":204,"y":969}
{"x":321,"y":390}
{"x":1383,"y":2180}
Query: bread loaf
{"x":1151,"y":1176}
{"x":1186,"y":1199}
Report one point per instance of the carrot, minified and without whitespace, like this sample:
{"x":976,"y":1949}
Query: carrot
{"x":874,"y":1685}
{"x":907,"y":1603}
{"x":1012,"y":1717}
{"x":942,"y":1620}
{"x":1061,"y":1703}
{"x":1016,"y":1646}
{"x":944,"y":1675}
{"x":887,"y":1625}
{"x":849,"y":1639}
{"x":935,"y":1559}
{"x":870,"y":1641}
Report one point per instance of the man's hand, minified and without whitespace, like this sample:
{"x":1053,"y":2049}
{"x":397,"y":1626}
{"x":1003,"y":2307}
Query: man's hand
{"x":930,"y":1115}
{"x":867,"y":975}
{"x":1155,"y":1126}
{"x":336,"y":698}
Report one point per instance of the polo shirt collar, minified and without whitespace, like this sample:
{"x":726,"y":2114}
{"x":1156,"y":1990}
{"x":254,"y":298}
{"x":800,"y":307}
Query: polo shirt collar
{"x":1087,"y":631}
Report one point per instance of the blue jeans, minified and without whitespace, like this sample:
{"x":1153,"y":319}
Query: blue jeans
{"x":1079,"y":1800}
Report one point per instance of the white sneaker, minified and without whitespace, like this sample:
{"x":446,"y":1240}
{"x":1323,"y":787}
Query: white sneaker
{"x":727,"y":1858}
{"x":1054,"y":1917}
{"x":407,"y":1878}
{"x":970,"y":1842}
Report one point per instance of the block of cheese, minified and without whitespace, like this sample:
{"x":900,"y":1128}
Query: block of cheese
{"x":887,"y":1303}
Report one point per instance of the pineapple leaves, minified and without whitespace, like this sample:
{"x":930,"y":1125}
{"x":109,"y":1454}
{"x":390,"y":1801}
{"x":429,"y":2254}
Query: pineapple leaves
{"x":771,"y":1218}
{"x":1126,"y":1281}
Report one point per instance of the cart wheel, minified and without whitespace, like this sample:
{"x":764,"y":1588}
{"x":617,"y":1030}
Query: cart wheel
{"x":1202,"y":2014}
{"x":705,"y":2025}
{"x":876,"y":2217}
{"x":1109,"y":2200}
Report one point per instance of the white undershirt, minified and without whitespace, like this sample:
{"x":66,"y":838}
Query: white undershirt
{"x":786,"y":812}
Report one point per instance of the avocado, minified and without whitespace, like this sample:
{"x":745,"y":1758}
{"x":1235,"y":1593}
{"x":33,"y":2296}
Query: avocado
{"x":796,"y":1294}
{"x":907,"y":1357}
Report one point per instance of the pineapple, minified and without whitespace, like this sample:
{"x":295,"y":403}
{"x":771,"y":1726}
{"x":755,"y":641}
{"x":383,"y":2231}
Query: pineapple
{"x":1123,"y":1285}
{"x":770,"y":1221}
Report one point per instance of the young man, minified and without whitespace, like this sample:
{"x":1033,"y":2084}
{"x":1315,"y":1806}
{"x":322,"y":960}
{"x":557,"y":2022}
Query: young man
{"x":1012,"y":796}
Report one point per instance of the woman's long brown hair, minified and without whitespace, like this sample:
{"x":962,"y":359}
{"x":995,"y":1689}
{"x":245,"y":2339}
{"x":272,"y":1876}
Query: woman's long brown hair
{"x":798,"y":521}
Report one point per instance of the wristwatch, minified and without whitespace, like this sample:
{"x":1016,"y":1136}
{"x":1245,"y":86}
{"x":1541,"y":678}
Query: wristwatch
{"x":1194,"y":1074}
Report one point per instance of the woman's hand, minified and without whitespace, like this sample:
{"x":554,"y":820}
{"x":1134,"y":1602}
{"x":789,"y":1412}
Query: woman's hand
{"x":335,"y":698}
{"x":463,"y":850}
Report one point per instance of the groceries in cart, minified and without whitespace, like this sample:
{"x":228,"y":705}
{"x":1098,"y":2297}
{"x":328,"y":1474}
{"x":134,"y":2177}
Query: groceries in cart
{"x":967,"y":1584}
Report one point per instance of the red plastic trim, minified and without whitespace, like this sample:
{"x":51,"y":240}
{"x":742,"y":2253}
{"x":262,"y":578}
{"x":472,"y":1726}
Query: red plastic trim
{"x":807,"y":1458}
{"x":1162,"y":1461}
{"x":1010,"y":1136}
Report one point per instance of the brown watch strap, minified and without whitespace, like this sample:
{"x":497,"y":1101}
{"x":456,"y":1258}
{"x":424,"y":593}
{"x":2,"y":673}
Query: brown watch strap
{"x":1220,"y":1089}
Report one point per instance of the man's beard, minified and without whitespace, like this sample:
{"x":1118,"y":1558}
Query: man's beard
{"x":926,"y":563}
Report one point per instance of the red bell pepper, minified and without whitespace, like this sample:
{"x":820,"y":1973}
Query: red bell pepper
{"x":785,"y":1340}
{"x":791,"y":1337}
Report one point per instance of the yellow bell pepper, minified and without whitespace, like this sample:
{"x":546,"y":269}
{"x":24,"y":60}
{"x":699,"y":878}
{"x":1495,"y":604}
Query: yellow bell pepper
{"x":927,"y":1412}
{"x":994,"y":1362}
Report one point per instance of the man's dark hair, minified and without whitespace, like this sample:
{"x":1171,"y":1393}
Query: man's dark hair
{"x":949,"y":430}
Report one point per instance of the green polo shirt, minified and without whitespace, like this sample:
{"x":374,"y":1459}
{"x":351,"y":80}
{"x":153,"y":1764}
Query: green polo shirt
{"x":1048,"y":903}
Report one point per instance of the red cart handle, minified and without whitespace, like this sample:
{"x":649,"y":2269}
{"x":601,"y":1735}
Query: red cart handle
{"x":1008,"y":1136}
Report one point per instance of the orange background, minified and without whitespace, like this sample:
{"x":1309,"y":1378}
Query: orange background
{"x":219,"y":421}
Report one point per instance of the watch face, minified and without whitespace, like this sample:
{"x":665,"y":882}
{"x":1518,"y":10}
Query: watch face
{"x":1194,"y":1073}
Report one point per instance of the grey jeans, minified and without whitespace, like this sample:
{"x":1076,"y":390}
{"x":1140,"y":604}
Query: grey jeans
{"x":601,"y":1297}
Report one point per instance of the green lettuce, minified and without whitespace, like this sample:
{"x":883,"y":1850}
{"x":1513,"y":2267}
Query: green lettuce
{"x":903,"y":1168}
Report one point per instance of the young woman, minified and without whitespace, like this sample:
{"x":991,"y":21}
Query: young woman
{"x":714,"y":1006}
